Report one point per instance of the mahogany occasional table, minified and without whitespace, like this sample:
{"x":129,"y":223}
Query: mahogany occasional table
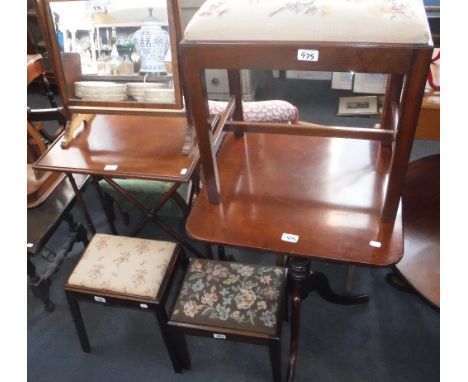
{"x":328,"y":192}
{"x":129,"y":146}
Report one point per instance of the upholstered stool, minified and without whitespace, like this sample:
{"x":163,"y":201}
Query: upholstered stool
{"x":128,"y":272}
{"x":261,"y":111}
{"x":233,"y":301}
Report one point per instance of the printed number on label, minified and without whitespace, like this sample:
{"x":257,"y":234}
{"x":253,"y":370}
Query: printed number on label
{"x":110,"y":167}
{"x":99,"y":299}
{"x":290,"y":238}
{"x":307,"y":55}
{"x":219,"y":336}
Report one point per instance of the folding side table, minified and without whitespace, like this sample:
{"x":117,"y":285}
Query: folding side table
{"x":129,"y":146}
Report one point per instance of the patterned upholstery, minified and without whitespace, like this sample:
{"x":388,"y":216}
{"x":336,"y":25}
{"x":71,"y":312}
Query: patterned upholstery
{"x":376,"y":21}
{"x":147,"y":192}
{"x":122,"y":264}
{"x":262,"y":111}
{"x":231,"y":295}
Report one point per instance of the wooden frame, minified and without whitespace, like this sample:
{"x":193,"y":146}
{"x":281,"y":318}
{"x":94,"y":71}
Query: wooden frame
{"x":176,"y":346}
{"x":273,"y":342}
{"x":358,"y":106}
{"x":64,"y":64}
{"x":407,"y":65}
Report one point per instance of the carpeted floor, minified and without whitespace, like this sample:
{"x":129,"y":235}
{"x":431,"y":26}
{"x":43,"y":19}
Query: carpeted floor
{"x":393,"y":338}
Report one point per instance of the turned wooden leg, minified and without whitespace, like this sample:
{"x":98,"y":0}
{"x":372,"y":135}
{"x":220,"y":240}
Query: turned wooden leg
{"x":299,"y":270}
{"x":301,"y":282}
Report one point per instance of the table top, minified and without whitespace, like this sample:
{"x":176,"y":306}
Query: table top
{"x":327,"y":191}
{"x":43,"y":219}
{"x":126,"y":146}
{"x":420,"y":265}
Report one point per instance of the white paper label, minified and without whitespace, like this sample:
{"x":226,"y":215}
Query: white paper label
{"x":110,"y":167}
{"x":290,"y":238}
{"x":219,"y":336}
{"x":99,"y":299}
{"x":183,"y":171}
{"x":144,"y":306}
{"x":307,"y":55}
{"x":376,"y":244}
{"x":30,"y":245}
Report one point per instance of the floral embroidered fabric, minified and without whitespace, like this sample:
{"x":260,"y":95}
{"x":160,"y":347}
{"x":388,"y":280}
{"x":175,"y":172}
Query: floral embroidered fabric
{"x":123,"y":265}
{"x":379,"y":21}
{"x":231,"y":295}
{"x":261,"y":111}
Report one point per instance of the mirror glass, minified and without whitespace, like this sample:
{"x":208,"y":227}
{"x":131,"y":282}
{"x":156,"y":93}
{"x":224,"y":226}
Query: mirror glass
{"x":116,"y":51}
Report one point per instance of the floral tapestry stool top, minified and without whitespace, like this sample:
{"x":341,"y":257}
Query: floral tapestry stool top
{"x":123,"y":265}
{"x":231,"y":295}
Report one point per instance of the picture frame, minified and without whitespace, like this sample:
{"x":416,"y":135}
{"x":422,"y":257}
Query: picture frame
{"x":358,"y":106}
{"x":342,"y":80}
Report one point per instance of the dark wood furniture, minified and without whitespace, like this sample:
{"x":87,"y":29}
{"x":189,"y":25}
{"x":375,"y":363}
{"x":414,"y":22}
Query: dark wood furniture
{"x":129,"y":146}
{"x":131,"y":273}
{"x":67,"y":75}
{"x":42,"y":222}
{"x":305,"y":190}
{"x":233,"y":302}
{"x":41,"y":184}
{"x":37,"y":37}
{"x":68,"y":67}
{"x":420,"y":265}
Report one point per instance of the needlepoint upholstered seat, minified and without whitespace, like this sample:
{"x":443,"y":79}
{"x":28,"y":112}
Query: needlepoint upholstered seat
{"x":233,"y":302}
{"x":377,"y":21}
{"x":231,"y":295}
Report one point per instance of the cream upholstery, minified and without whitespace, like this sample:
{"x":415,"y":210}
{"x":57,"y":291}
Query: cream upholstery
{"x":375,"y":21}
{"x":123,"y":264}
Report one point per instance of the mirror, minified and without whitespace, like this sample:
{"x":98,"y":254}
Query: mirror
{"x":116,"y":53}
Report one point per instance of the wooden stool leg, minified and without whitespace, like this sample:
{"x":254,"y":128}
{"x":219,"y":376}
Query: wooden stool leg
{"x":275,"y":358}
{"x":182,"y":347}
{"x":78,"y":320}
{"x":168,"y":339}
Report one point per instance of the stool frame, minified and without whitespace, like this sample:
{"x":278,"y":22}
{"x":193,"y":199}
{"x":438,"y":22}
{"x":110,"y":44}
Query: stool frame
{"x":175,"y":344}
{"x":407,"y":66}
{"x":236,"y":335}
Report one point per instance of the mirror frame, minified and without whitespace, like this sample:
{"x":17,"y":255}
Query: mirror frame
{"x":117,"y":107}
